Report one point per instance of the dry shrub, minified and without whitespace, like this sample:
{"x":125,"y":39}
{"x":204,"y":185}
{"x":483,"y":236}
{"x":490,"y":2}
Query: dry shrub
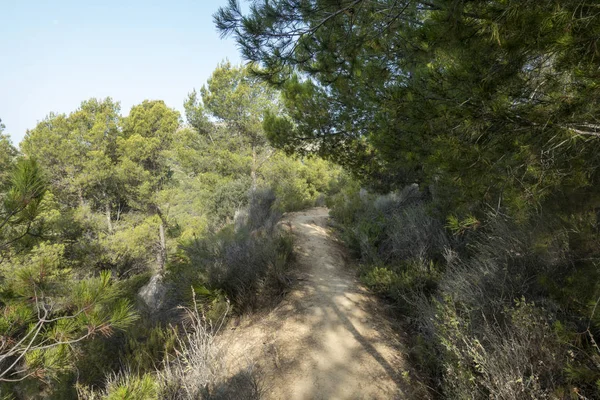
{"x":198,"y":364}
{"x":473,"y":334}
{"x":412,"y":234}
{"x":388,"y":228}
{"x":396,"y":201}
{"x":261,"y":210}
{"x":198,"y":370}
{"x":497,"y":345}
{"x":244,"y":266}
{"x":505,"y":264}
{"x":470,"y":337}
{"x":247,"y":262}
{"x":518,"y":357}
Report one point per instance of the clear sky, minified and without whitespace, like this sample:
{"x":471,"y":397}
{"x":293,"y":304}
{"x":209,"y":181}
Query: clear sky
{"x":56,"y":53}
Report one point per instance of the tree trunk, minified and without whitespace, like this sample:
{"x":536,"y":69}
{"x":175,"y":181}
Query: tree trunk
{"x":107,"y":212}
{"x":161,"y":257}
{"x":253,"y":169}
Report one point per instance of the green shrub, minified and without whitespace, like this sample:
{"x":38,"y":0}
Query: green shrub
{"x":381,"y":280}
{"x":299,"y":183}
{"x":147,"y":346}
{"x":123,"y":386}
{"x":228,"y":197}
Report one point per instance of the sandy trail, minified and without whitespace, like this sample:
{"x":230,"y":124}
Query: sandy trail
{"x":329,"y":338}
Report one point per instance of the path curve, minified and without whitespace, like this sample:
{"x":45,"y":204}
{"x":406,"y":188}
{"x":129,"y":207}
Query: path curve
{"x":329,"y":338}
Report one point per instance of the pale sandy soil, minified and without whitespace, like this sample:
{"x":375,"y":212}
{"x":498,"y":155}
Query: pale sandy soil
{"x":329,"y":338}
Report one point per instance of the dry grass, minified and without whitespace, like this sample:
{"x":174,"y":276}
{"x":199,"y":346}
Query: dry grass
{"x":198,"y":370}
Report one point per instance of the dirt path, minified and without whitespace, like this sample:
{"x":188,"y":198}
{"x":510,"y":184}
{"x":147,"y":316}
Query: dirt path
{"x":328,"y":339}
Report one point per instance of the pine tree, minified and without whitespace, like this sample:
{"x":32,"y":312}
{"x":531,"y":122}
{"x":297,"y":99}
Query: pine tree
{"x":148,"y":134}
{"x":488,"y":101}
{"x":46,"y":309}
{"x":7,"y":155}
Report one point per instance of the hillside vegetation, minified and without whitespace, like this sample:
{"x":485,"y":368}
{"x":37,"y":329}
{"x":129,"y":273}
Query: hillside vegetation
{"x":470,"y":133}
{"x":109,"y":224}
{"x":455,"y":142}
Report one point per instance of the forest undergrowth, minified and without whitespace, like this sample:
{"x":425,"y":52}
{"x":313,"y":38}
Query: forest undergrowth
{"x":497,"y":310}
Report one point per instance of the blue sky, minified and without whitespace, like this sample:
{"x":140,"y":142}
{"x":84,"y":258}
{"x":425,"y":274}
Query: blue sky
{"x":54,"y":54}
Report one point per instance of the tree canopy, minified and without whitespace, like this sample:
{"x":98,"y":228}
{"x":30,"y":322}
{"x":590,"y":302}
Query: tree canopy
{"x":238,"y":101}
{"x":7,"y":154}
{"x":97,"y":206}
{"x":496,"y":101}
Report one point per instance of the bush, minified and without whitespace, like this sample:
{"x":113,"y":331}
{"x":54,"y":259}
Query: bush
{"x":299,"y":183}
{"x":517,"y":356}
{"x":246,"y":263}
{"x":389,"y":228}
{"x":381,"y":279}
{"x":198,"y":366}
{"x":228,"y":196}
{"x":123,"y":386}
{"x":239,"y":264}
{"x":462,"y":292}
{"x":410,"y":233}
{"x":198,"y":371}
{"x":261,"y":212}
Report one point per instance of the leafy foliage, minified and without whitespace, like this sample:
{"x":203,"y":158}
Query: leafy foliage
{"x":240,"y":261}
{"x":490,"y":110}
{"x":7,"y":154}
{"x":96,"y":204}
{"x":496,"y":310}
{"x":492,"y":101}
{"x":21,"y":206}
